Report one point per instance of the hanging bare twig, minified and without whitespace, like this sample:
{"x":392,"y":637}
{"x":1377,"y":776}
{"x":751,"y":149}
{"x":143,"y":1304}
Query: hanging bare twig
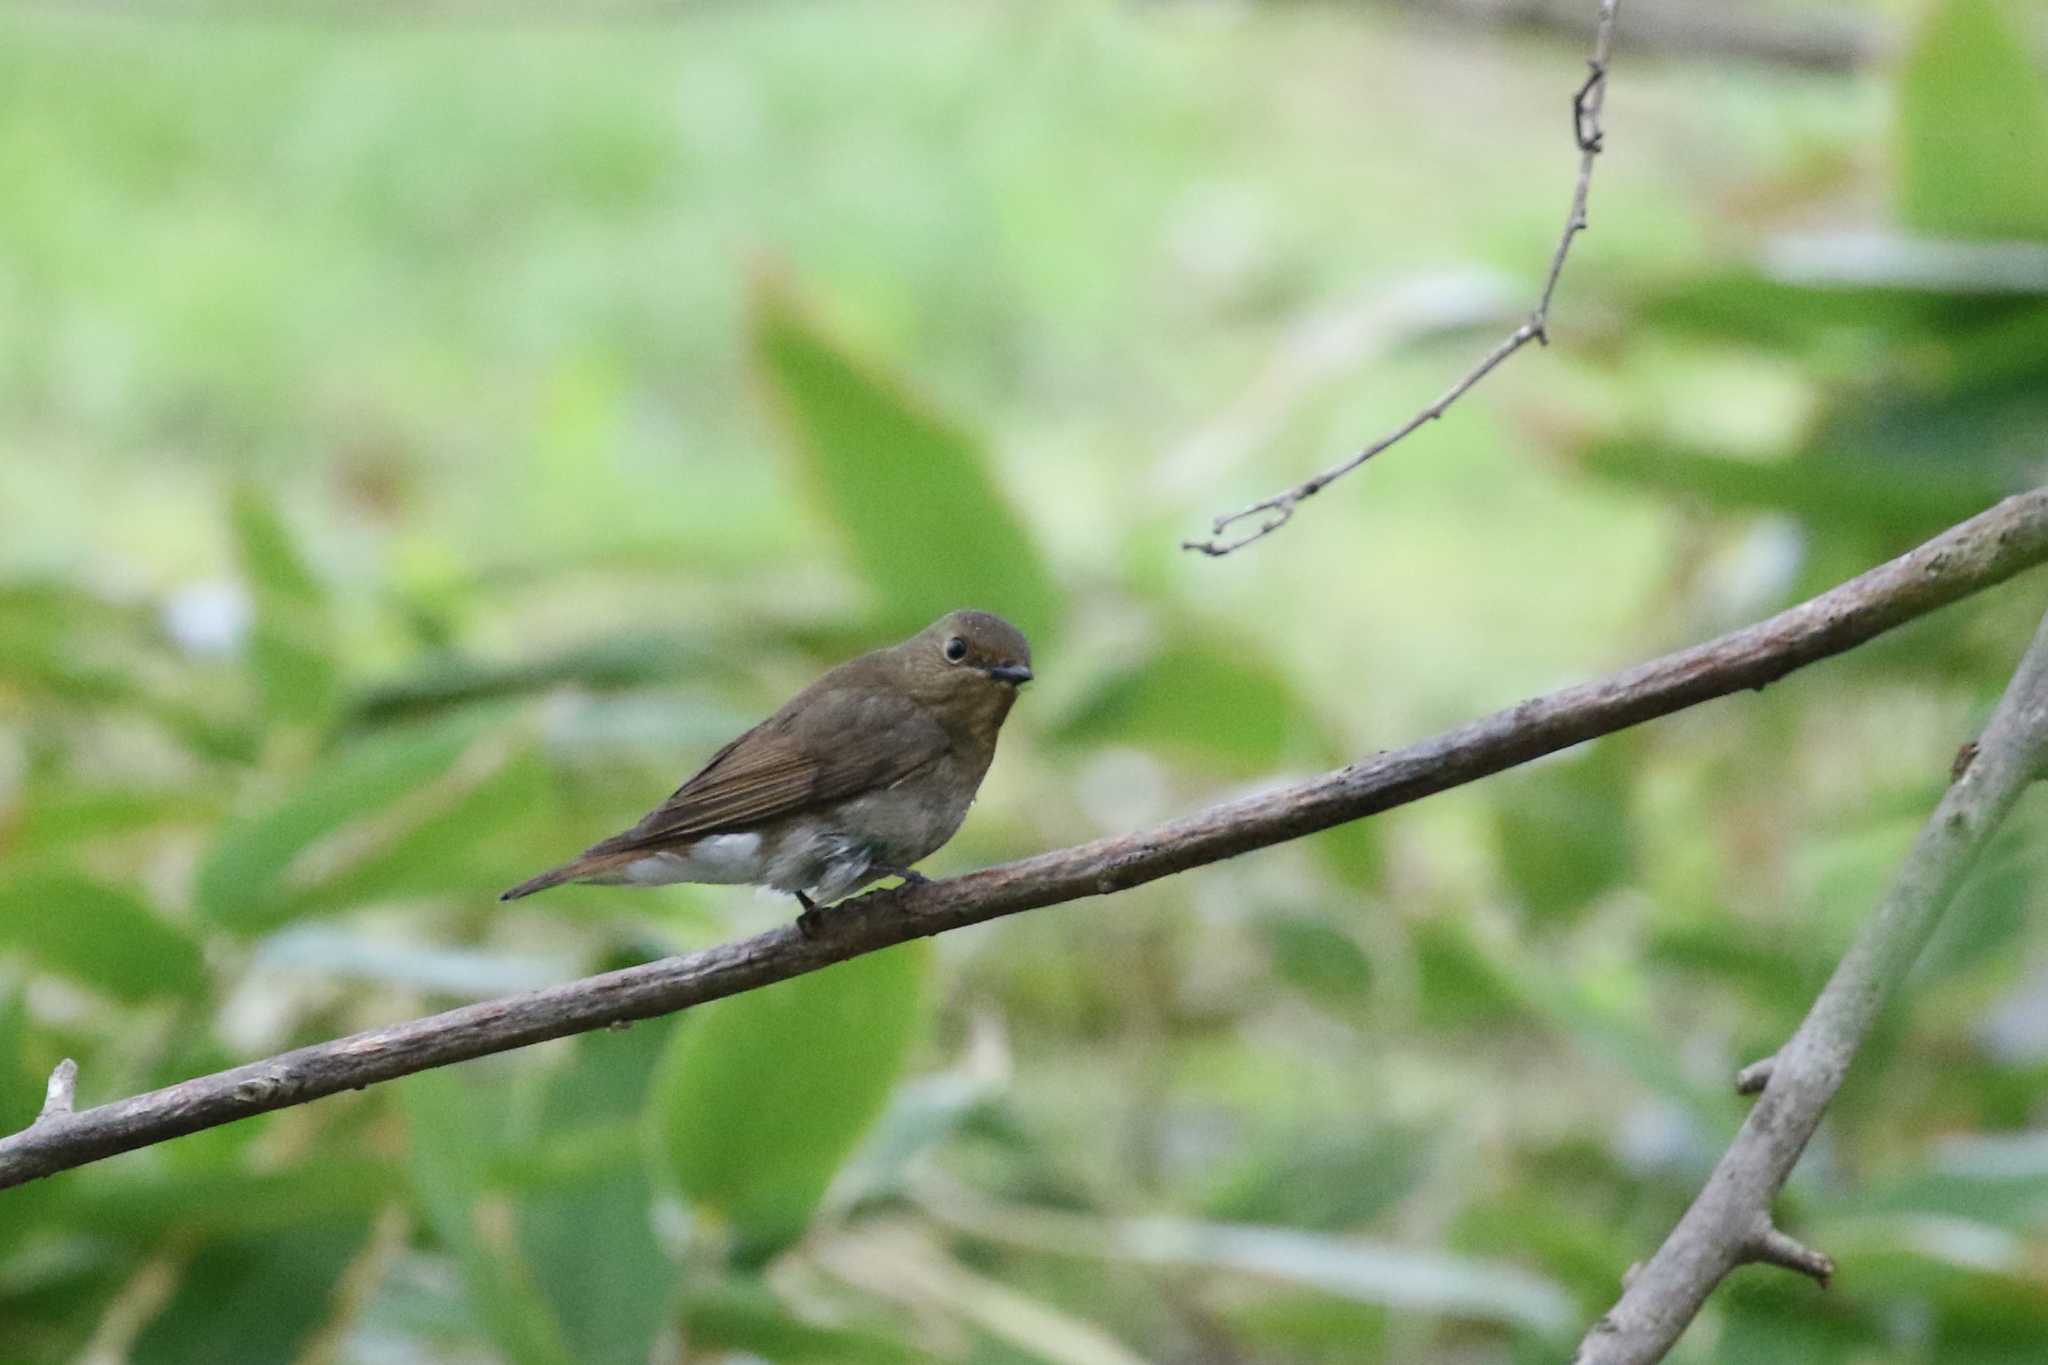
{"x":1983,"y":551}
{"x":1587,"y":102}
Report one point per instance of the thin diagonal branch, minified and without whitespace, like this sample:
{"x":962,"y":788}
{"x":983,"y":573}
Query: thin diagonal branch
{"x":1981,"y":552}
{"x":1587,"y":102}
{"x":1729,"y":1223}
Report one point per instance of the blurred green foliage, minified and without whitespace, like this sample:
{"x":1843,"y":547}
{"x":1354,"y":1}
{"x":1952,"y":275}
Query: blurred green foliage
{"x":760,"y":1103}
{"x":423,"y":442}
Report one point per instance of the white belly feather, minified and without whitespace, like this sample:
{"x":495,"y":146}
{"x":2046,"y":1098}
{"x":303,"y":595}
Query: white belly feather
{"x":800,"y":858}
{"x":723,"y":859}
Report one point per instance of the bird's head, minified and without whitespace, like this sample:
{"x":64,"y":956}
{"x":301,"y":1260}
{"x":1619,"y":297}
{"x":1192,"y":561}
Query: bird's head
{"x":967,"y":666}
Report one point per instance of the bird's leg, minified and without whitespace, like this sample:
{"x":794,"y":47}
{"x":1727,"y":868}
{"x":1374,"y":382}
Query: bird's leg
{"x":910,"y":875}
{"x":811,"y":922}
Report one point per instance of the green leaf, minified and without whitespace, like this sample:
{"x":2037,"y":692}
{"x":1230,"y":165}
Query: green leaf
{"x":762,"y":1098}
{"x":67,"y":648}
{"x":1780,"y":1332}
{"x":99,"y":935}
{"x":1563,"y":830}
{"x":909,"y":492}
{"x":1408,"y":1277}
{"x":47,"y":634}
{"x":1353,"y":852}
{"x":1896,"y":499}
{"x":269,"y":557}
{"x":293,"y":646}
{"x":1981,"y":1303}
{"x":1541,"y":1213}
{"x":1619,"y":1031}
{"x":1467,"y":979}
{"x":2007,"y":351}
{"x":261,"y":870}
{"x":253,"y":1299}
{"x":923,"y":1114}
{"x":613,"y":665}
{"x":1195,"y":700}
{"x":2017,"y":1202}
{"x":590,"y":1238}
{"x":1321,"y":1182}
{"x":21,"y":1090}
{"x":1990,"y":910}
{"x":1738,"y":304}
{"x":1461,"y":985}
{"x":1769,"y":965}
{"x":1279,"y":1323}
{"x":57,"y":816}
{"x":456,"y":1128}
{"x":1973,"y":126}
{"x":462,"y":834}
{"x":52,"y":1315}
{"x":1316,"y":958}
{"x":233,"y":1202}
{"x":745,"y":1318}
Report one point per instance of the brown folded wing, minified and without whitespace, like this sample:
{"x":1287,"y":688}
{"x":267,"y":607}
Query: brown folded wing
{"x":837,"y":745}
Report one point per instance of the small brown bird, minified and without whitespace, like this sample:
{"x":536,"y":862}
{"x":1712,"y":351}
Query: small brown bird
{"x":860,"y":775}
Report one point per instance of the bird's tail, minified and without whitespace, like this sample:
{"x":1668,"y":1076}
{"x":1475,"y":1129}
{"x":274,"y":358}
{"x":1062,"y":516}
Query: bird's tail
{"x":574,"y":870}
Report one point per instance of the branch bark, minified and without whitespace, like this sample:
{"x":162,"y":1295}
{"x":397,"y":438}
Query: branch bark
{"x":1587,"y":102}
{"x":1968,"y":558}
{"x":1729,"y":1223}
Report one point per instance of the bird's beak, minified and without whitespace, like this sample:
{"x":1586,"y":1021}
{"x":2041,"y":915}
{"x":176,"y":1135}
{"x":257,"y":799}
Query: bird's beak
{"x":1014,"y":674}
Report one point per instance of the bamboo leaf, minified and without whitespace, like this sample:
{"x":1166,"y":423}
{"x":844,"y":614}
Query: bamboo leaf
{"x":293,"y":646}
{"x":262,"y":870}
{"x":762,"y":1098}
{"x":909,"y":491}
{"x":103,"y":936}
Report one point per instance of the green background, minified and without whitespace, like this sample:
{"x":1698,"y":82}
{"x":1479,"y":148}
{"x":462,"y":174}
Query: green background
{"x":426,"y":432}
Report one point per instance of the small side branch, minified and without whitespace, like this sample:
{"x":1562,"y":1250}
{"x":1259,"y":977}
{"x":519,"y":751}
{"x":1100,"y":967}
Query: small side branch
{"x":1228,"y":532}
{"x":1765,"y":1245}
{"x":1729,"y":1223}
{"x":60,"y":1097}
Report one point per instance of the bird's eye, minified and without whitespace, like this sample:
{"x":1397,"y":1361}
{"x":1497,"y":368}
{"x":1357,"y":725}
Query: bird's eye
{"x":956,"y":650}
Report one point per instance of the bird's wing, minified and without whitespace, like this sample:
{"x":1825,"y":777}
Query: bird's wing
{"x":835,"y":747}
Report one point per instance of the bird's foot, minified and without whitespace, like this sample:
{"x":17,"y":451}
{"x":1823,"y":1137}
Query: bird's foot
{"x":910,"y":875}
{"x":811,"y":923}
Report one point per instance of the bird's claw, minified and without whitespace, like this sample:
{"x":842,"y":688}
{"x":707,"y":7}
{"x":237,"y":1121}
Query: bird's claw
{"x":811,"y":923}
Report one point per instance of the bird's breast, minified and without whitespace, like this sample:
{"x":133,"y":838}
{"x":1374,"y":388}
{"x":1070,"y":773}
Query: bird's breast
{"x":905,"y":822}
